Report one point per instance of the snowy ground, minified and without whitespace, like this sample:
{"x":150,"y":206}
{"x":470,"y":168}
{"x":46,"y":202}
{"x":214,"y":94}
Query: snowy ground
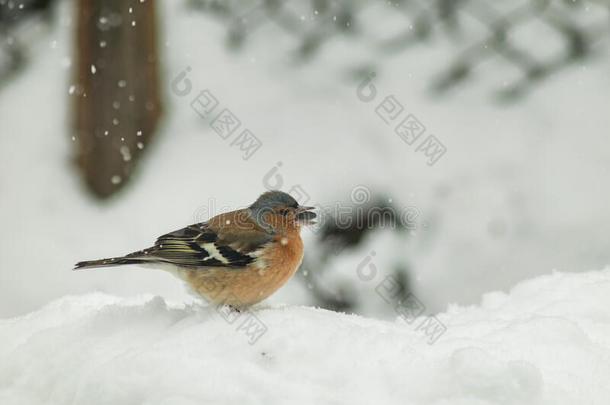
{"x":546,"y":342}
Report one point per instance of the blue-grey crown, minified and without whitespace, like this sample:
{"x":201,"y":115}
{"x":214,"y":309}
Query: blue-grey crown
{"x":275,"y":198}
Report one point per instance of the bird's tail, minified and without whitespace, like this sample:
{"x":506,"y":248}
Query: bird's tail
{"x":114,"y":261}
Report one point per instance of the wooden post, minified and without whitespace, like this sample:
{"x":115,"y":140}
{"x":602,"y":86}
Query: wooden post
{"x":116,"y":95}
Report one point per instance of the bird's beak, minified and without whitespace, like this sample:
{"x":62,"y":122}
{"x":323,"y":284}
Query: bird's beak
{"x":305,"y":216}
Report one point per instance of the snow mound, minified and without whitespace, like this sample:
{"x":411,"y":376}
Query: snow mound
{"x":545,"y":342}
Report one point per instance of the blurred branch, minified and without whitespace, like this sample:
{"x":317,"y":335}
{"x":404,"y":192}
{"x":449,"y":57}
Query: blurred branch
{"x":12,"y":16}
{"x":340,"y":236}
{"x":316,"y":22}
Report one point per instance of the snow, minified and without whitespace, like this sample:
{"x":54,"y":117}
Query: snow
{"x":521,"y":190}
{"x":547,"y":341}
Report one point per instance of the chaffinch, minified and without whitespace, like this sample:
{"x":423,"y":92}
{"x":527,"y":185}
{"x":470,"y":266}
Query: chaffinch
{"x":237,"y":258}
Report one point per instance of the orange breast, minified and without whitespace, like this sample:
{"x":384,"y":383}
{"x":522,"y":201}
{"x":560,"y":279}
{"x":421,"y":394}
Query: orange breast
{"x":244,"y":287}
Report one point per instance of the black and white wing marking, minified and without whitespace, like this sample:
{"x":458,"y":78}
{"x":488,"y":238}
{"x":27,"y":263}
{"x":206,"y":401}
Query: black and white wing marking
{"x":200,"y":246}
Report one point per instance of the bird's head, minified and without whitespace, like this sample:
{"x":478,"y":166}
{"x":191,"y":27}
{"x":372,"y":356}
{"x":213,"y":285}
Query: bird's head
{"x":278,"y":211}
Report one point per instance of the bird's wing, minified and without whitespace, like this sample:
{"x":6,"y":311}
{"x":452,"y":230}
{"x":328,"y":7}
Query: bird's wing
{"x":206,"y":245}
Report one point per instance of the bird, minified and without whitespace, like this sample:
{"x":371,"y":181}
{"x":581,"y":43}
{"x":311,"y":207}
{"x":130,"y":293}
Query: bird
{"x":237,"y":258}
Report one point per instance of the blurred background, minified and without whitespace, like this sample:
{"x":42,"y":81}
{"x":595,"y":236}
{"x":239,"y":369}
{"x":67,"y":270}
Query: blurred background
{"x":453,"y":147}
